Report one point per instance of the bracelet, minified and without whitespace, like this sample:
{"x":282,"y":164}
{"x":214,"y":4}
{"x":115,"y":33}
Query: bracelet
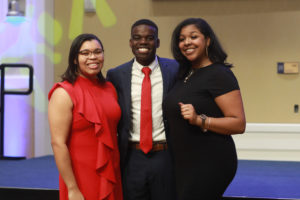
{"x":203,"y":117}
{"x":208,"y":123}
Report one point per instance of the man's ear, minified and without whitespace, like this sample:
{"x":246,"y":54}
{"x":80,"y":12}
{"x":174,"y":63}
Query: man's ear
{"x":130,"y":43}
{"x":158,"y":42}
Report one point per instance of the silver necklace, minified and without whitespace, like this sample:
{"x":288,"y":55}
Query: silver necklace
{"x":191,"y":72}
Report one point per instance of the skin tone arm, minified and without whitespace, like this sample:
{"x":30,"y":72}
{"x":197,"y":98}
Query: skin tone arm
{"x":233,"y":122}
{"x":60,"y":119}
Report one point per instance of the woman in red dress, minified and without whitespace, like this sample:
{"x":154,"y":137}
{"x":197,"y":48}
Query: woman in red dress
{"x":83,"y":116}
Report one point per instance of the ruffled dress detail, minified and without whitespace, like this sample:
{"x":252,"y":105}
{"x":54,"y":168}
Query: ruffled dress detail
{"x":97,"y":104}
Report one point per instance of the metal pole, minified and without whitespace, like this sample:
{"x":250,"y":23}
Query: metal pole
{"x":2,"y":112}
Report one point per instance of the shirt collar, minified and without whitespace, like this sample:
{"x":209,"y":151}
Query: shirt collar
{"x":152,"y":65}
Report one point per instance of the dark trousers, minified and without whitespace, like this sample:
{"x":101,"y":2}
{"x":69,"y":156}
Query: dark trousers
{"x":148,"y":177}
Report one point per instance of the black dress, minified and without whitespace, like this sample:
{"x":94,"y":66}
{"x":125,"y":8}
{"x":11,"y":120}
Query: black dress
{"x":205,"y":163}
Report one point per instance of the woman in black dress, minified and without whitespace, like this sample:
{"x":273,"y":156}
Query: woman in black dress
{"x":203,"y":110}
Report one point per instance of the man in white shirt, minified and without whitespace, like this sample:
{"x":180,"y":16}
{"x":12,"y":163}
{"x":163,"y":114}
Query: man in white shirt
{"x":146,"y":174}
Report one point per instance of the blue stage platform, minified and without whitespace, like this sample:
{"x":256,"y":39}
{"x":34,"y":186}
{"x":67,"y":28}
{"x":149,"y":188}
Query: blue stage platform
{"x":254,"y":179}
{"x":266,"y":179}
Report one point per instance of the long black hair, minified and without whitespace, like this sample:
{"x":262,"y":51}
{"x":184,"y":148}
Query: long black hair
{"x":216,"y":54}
{"x":71,"y":73}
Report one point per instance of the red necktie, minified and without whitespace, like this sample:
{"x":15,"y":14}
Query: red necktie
{"x":146,"y":113}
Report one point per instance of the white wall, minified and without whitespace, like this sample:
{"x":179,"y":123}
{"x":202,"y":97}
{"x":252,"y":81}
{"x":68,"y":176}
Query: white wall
{"x":269,"y":141}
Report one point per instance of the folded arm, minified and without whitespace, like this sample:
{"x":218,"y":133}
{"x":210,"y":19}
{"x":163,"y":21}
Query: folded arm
{"x":233,"y":122}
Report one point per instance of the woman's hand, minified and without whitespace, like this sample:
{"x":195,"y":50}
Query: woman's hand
{"x":75,"y":194}
{"x":188,"y":112}
{"x":231,"y":105}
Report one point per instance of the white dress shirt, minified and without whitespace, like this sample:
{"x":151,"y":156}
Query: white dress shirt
{"x":158,"y":129}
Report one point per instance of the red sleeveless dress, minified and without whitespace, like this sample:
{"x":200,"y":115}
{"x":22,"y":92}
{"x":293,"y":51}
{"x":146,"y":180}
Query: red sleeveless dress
{"x":93,"y":140}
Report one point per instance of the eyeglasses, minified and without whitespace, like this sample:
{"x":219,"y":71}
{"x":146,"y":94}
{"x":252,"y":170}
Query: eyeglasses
{"x":88,"y":53}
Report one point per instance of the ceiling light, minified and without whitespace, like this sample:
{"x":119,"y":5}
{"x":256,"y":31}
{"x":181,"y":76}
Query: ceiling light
{"x":16,"y":12}
{"x":14,"y":8}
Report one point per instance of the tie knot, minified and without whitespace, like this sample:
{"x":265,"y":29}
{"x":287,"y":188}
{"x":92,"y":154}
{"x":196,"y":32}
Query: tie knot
{"x":146,"y":70}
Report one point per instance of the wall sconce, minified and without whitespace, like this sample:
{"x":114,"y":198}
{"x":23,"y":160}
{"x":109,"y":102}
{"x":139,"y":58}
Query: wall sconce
{"x":16,"y":11}
{"x":89,"y":6}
